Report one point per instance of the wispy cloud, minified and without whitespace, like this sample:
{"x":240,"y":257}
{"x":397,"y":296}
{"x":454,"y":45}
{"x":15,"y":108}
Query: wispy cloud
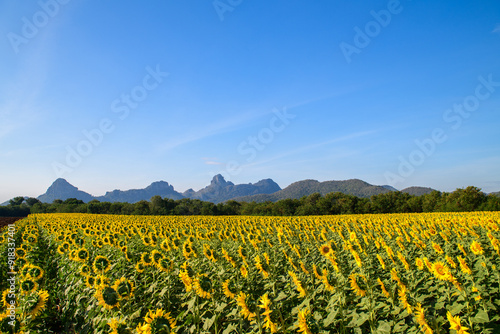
{"x":239,"y":121}
{"x":315,"y":146}
{"x":497,"y":29}
{"x":211,"y":161}
{"x":209,"y":130}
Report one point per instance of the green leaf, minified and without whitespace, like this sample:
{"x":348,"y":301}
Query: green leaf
{"x":481,"y":317}
{"x":331,"y":317}
{"x":208,"y":323}
{"x":229,"y":329}
{"x":191,"y":303}
{"x":281,"y":296}
{"x":221,"y":307}
{"x":384,"y":327}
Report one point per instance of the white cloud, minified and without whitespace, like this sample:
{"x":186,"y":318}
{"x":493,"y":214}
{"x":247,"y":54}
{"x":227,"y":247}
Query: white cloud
{"x":497,"y":29}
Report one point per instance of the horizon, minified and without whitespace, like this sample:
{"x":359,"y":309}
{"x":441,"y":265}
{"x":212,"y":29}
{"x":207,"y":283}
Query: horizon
{"x":182,"y":191}
{"x":111,"y":96}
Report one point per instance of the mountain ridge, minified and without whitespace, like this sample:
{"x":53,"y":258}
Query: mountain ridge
{"x":219,"y":190}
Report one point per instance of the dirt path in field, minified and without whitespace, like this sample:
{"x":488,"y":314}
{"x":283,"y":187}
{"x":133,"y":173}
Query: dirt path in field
{"x":4,"y":221}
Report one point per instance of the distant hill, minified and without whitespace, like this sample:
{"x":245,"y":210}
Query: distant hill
{"x":496,"y":193}
{"x":62,"y":189}
{"x":160,"y":188}
{"x":307,"y":187}
{"x":218,"y":191}
{"x":391,"y":188}
{"x":418,"y":191}
{"x":221,"y":190}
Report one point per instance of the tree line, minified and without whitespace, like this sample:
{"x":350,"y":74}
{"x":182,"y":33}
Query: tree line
{"x":468,"y":199}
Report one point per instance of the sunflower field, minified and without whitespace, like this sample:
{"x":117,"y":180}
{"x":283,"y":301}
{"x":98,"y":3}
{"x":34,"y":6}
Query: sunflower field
{"x":392,"y":273}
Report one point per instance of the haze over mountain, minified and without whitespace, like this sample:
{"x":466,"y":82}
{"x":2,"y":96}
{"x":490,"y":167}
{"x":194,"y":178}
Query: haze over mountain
{"x":219,"y":190}
{"x":307,"y":187}
{"x":160,"y":188}
{"x":62,"y":189}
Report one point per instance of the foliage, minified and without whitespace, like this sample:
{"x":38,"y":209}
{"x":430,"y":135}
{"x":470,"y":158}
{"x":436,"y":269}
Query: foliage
{"x":388,"y":273}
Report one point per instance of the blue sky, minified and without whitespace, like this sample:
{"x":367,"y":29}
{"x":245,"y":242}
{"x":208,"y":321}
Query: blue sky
{"x":289,"y":90}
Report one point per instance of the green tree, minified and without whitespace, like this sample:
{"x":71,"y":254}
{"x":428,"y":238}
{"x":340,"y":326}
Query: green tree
{"x":16,"y":201}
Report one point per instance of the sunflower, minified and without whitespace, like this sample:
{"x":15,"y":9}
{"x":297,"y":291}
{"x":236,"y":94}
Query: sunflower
{"x":260,"y":266}
{"x":420,"y":318}
{"x":35,"y":271}
{"x":463,"y":266}
{"x":61,"y":249}
{"x":165,"y":265}
{"x":298,"y":284}
{"x":455,"y":324}
{"x":268,"y":323}
{"x":403,"y":298}
{"x":244,"y":271}
{"x":156,"y":257}
{"x":476,"y":248}
{"x":124,"y":288}
{"x":226,"y":287}
{"x":128,"y":256}
{"x":165,"y":245}
{"x":462,"y":249}
{"x":188,"y":250}
{"x":328,"y":281}
{"x":100,"y":281}
{"x":186,"y":279}
{"x":325,"y":249}
{"x":157,"y":321}
{"x":245,"y":311}
{"x":90,"y":281}
{"x":84,"y":270}
{"x":203,"y":286}
{"x":146,"y":258}
{"x":381,"y":261}
{"x":32,"y":239}
{"x":304,"y":269}
{"x":303,"y":321}
{"x":101,"y":264}
{"x":354,"y":285}
{"x":450,"y":261}
{"x":228,"y":258}
{"x":37,"y":302}
{"x":316,"y":273}
{"x":117,"y":326}
{"x":107,"y":296}
{"x":382,"y":287}
{"x":28,"y":285}
{"x":7,"y":298}
{"x":437,"y":248}
{"x":419,"y":263}
{"x":140,"y":267}
{"x":441,"y":271}
{"x":20,"y":262}
{"x":405,"y":263}
{"x":82,"y":255}
{"x":20,"y":252}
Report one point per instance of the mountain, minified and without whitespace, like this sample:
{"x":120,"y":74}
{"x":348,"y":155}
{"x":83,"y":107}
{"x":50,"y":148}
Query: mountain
{"x":221,"y":190}
{"x":417,"y":191}
{"x":63,"y":190}
{"x":160,"y":188}
{"x":391,"y":188}
{"x":307,"y":187}
{"x":496,"y":194}
{"x":218,"y":191}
